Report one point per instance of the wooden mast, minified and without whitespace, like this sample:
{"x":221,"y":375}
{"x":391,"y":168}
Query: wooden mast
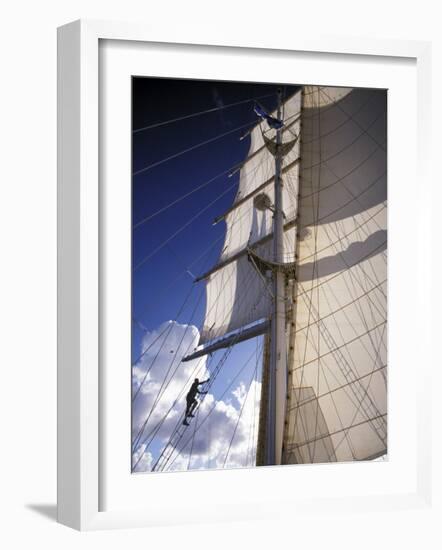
{"x":291,"y":318}
{"x":274,"y":378}
{"x":267,"y":413}
{"x":264,"y":403}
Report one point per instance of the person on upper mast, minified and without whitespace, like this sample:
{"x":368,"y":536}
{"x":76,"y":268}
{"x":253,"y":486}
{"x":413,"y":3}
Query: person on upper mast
{"x":191,"y":399}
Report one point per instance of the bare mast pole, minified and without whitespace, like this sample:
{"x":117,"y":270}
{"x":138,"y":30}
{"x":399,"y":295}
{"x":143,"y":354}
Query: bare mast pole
{"x":278,"y":356}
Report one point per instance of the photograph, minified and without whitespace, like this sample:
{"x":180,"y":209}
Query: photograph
{"x":259,"y":275}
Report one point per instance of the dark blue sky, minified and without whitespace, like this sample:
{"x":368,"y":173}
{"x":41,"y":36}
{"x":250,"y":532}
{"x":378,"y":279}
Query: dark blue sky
{"x":161,"y":283}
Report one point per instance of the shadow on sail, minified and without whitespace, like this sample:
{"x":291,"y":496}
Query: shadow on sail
{"x":356,"y":253}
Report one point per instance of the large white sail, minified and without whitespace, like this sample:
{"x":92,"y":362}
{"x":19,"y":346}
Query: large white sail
{"x":237,"y":294}
{"x":337,"y":405}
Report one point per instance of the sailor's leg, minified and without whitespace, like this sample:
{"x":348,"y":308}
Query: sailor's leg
{"x":193,"y":407}
{"x":186,"y":414}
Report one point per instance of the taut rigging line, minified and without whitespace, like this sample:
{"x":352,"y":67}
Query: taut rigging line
{"x":188,"y":194}
{"x":240,"y":416}
{"x":159,"y":247}
{"x":171,"y":157}
{"x":211,"y":110}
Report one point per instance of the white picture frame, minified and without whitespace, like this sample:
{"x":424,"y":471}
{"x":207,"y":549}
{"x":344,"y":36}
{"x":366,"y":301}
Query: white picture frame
{"x":80,"y":437}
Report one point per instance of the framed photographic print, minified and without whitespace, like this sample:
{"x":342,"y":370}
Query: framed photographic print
{"x":224,"y":217}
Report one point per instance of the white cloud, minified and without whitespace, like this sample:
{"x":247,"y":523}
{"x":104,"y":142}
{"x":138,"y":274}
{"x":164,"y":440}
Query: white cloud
{"x":166,"y":347}
{"x":142,"y":458}
{"x":167,"y":376}
{"x":214,"y":436}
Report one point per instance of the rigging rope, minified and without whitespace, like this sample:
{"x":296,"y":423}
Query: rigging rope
{"x":158,"y":248}
{"x":346,"y":370}
{"x":193,"y":437}
{"x":239,"y":419}
{"x":338,"y":104}
{"x":201,"y":186}
{"x":351,"y":425}
{"x":211,"y":110}
{"x":176,"y":155}
{"x":252,"y":441}
{"x":206,"y":251}
{"x":179,"y":199}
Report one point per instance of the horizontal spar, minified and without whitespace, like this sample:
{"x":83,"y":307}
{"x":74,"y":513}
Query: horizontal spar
{"x":242,"y":252}
{"x":231,"y":339}
{"x":255,"y":191}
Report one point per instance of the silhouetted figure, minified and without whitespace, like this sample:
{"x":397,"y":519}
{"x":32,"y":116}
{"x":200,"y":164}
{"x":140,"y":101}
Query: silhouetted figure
{"x":192,"y":400}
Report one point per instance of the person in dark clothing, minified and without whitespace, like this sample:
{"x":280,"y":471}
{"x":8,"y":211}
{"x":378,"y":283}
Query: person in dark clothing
{"x":191,"y":399}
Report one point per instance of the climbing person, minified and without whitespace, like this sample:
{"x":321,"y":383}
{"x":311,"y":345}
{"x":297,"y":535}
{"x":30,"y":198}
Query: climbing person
{"x":191,"y":399}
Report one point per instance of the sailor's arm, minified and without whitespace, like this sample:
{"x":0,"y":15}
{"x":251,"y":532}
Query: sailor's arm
{"x":200,"y":384}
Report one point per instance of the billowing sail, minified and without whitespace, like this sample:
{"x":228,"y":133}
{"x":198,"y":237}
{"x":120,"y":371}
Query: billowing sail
{"x":237,"y":294}
{"x":337,"y":397}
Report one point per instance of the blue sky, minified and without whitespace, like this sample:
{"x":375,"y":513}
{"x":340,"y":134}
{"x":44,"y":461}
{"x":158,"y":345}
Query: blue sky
{"x":161,"y":278}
